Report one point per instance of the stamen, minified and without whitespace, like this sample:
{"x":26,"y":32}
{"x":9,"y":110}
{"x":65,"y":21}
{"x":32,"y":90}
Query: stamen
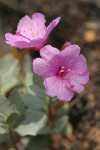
{"x":62,"y":72}
{"x":68,"y":70}
{"x":62,"y":67}
{"x":70,"y":84}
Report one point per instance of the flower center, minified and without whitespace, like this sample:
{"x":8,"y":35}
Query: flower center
{"x":62,"y":72}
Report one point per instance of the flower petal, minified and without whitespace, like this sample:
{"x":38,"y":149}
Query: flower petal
{"x":38,"y":43}
{"x":25,"y":28}
{"x":43,"y":68}
{"x":55,"y":86}
{"x":68,"y":61}
{"x":82,"y":79}
{"x":21,"y":42}
{"x":79,"y":66}
{"x":48,"y":52}
{"x":52,"y":25}
{"x":78,"y":87}
{"x":74,"y":85}
{"x":38,"y":20}
{"x":52,"y":56}
{"x":72,"y":50}
{"x":17,"y":41}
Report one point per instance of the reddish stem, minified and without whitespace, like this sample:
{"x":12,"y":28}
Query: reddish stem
{"x":52,"y":114}
{"x":59,"y":105}
{"x":53,"y":110}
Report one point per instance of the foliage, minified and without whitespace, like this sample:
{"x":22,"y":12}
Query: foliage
{"x":25,"y":111}
{"x":7,"y":110}
{"x":8,"y":73}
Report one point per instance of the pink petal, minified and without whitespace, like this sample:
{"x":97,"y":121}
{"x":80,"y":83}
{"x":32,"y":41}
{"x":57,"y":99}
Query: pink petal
{"x":72,"y":50}
{"x":74,"y":85}
{"x":43,"y":68}
{"x":38,"y":43}
{"x":55,"y":86}
{"x":21,"y":42}
{"x":52,"y":25}
{"x":16,"y":41}
{"x":52,"y":55}
{"x":25,"y":28}
{"x":79,"y":66}
{"x":70,"y":55}
{"x":38,"y":20}
{"x":68,"y":61}
{"x":48,"y":52}
{"x":82,"y":79}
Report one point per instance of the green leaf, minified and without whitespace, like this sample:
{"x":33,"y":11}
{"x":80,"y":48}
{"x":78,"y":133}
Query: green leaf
{"x":16,"y":98}
{"x":6,"y":112}
{"x":31,"y":123}
{"x":37,"y":87}
{"x":33,"y":102}
{"x":38,"y":81}
{"x":39,"y":143}
{"x":12,"y":119}
{"x":9,"y":70}
{"x":5,"y":138}
{"x":38,"y":91}
{"x":2,"y":137}
{"x":60,"y":125}
{"x":39,"y":96}
{"x":3,"y":128}
{"x":6,"y":109}
{"x":44,"y":131}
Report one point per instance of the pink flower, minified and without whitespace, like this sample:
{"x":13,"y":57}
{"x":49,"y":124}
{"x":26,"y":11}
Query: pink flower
{"x":65,"y":73}
{"x":31,"y":33}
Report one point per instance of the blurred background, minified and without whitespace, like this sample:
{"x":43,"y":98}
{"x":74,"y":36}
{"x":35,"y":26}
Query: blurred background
{"x":80,"y":24}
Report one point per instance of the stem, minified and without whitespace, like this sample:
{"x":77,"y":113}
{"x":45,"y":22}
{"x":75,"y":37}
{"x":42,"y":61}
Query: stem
{"x":59,"y":105}
{"x":50,"y":106}
{"x":13,"y":138}
{"x":52,"y":114}
{"x":20,"y":56}
{"x":74,"y":102}
{"x":53,"y":110}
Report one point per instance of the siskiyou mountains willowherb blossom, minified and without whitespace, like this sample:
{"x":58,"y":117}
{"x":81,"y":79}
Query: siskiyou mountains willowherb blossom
{"x":65,"y":73}
{"x":31,"y":32}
